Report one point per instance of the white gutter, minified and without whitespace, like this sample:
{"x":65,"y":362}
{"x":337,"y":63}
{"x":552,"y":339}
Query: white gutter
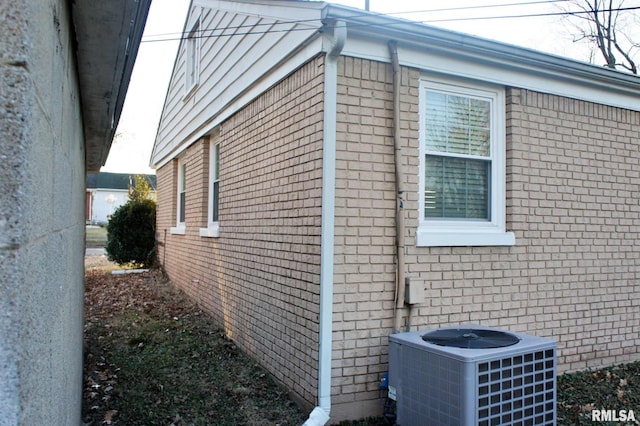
{"x":320,"y":414}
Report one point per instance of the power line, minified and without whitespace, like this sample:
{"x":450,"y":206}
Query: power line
{"x":184,"y":34}
{"x":484,"y":6}
{"x":203,"y":35}
{"x":531,"y":15}
{"x":368,"y":13}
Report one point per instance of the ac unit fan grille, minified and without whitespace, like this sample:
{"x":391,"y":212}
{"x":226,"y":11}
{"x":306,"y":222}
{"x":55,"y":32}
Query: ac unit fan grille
{"x":517,"y":390}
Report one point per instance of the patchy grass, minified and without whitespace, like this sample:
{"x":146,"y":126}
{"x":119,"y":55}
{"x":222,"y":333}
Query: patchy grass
{"x":153,"y":358}
{"x":611,"y":388}
{"x":96,"y":236}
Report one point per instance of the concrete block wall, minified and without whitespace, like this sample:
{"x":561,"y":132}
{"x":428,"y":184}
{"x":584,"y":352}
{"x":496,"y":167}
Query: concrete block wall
{"x":572,"y":180}
{"x":41,"y":216}
{"x":260,"y":278}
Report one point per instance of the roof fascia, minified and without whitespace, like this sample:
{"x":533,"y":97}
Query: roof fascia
{"x":431,"y":40}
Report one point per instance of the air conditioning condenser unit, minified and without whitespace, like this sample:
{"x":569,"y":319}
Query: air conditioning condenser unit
{"x":472,"y":375}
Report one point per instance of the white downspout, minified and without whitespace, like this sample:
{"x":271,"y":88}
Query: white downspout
{"x":320,"y":414}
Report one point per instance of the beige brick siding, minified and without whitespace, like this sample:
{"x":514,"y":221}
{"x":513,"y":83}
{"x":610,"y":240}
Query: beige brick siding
{"x":573,"y":198}
{"x":572,"y":183}
{"x":572,"y":201}
{"x":365,"y":231}
{"x":260,"y":278}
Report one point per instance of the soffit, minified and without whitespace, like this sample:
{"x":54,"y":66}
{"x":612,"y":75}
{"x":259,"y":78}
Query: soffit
{"x":108,"y":35}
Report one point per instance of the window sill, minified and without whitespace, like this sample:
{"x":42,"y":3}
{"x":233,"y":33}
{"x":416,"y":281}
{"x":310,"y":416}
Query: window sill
{"x":178,"y":230}
{"x":213,"y":231}
{"x":457,"y":238}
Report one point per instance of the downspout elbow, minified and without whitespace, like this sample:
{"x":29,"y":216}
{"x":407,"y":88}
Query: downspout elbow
{"x":338,"y":40}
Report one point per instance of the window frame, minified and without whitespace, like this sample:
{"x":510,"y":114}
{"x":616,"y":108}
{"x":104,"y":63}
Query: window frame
{"x":213,"y":226}
{"x":181,"y":188}
{"x":462,"y":232}
{"x":192,"y":59}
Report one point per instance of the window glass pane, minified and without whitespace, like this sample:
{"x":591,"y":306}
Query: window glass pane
{"x":214,"y":202}
{"x":457,"y":111}
{"x":457,"y":124}
{"x":216,"y":162}
{"x":479,"y":125}
{"x":192,"y":56}
{"x":182,"y":207}
{"x":183,"y":177}
{"x":457,"y":188}
{"x":190,"y":59}
{"x":436,"y":121}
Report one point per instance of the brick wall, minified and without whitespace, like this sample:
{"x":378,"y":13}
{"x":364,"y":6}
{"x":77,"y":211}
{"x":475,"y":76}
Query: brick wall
{"x":364,"y":235}
{"x":572,"y":185}
{"x":572,"y":202}
{"x":574,"y":176}
{"x":260,"y":278}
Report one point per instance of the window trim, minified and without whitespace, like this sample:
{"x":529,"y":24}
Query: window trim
{"x":192,"y":60}
{"x":213,"y":227}
{"x":442,"y":232}
{"x":181,"y":184}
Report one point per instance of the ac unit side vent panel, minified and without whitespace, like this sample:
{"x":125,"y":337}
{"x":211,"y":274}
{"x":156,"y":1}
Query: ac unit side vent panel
{"x":517,"y":390}
{"x":437,"y":385}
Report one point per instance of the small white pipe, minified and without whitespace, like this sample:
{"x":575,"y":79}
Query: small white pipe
{"x":320,"y":414}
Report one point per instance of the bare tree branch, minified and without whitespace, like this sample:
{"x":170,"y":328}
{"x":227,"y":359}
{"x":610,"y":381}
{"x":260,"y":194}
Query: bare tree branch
{"x":604,"y":26}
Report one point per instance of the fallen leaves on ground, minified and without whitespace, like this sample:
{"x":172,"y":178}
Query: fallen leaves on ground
{"x":612,"y":388}
{"x":154,"y":358}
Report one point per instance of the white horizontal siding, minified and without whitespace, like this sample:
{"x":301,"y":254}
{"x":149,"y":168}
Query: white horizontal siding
{"x":253,"y":44}
{"x":238,"y":50}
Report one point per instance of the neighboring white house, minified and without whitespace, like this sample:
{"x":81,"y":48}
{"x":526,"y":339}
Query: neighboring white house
{"x":108,"y":191}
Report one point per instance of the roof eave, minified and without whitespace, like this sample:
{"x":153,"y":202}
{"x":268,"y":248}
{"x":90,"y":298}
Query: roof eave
{"x":108,"y":36}
{"x":480,"y":50}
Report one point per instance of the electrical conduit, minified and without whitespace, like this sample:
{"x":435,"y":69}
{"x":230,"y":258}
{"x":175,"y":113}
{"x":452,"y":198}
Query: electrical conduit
{"x":400,"y":191}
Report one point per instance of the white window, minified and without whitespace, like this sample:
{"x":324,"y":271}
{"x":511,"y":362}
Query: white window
{"x":462,"y":165}
{"x":193,"y":58}
{"x":213,"y":225}
{"x":181,"y":204}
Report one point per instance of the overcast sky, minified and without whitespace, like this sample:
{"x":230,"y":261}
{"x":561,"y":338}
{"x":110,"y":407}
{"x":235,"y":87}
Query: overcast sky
{"x":136,"y":132}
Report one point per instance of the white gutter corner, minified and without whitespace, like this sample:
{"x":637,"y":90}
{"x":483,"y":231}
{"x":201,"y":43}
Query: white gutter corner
{"x":320,"y":414}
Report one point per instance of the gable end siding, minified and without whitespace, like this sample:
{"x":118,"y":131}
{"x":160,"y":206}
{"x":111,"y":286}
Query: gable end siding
{"x":260,"y":278}
{"x":238,"y":53}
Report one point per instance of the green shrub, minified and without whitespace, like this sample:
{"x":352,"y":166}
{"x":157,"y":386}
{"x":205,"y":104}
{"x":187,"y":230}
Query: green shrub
{"x":131,"y":233}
